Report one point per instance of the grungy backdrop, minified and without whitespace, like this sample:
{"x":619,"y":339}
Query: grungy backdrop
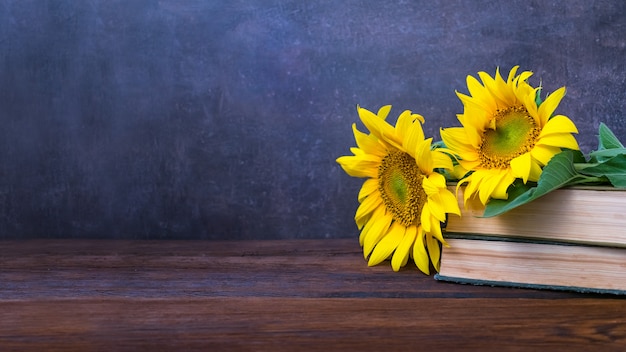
{"x":198,"y":119}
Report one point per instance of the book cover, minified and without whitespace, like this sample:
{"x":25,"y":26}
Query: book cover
{"x":484,"y":260}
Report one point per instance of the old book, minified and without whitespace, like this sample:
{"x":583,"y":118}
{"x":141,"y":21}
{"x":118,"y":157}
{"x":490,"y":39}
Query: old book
{"x":495,"y":261}
{"x":593,"y":215}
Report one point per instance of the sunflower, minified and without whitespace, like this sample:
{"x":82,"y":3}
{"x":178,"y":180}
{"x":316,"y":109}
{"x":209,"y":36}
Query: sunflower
{"x":506,"y":133}
{"x":403,"y":200}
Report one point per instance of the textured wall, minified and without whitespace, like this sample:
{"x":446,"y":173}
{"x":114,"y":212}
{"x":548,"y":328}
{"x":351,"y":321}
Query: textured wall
{"x":222,"y":119}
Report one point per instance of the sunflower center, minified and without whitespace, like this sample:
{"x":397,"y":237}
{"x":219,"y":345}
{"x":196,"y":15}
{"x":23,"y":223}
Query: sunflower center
{"x":400,"y":186}
{"x":514,"y":134}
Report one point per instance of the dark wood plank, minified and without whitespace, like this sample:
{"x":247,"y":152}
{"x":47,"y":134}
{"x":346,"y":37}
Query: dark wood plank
{"x":271,"y":295}
{"x":284,"y":324}
{"x":153,"y":269}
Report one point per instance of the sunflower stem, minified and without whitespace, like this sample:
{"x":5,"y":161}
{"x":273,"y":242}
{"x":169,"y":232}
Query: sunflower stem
{"x":587,"y":180}
{"x":582,"y":166}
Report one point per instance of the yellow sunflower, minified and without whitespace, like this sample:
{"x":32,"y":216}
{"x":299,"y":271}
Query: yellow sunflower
{"x":403,"y":201}
{"x":505,"y":134}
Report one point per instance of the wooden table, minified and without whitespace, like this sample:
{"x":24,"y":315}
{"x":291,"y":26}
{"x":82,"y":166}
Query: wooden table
{"x":272,"y":295}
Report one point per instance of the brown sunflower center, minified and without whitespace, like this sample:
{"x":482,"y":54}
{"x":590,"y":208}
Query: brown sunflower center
{"x":400,"y":186}
{"x":515,"y":133}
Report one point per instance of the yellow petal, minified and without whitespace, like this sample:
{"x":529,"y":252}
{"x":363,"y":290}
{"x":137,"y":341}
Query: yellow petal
{"x":487,"y":184}
{"x":383,"y":112}
{"x":535,"y":171}
{"x":376,"y":232}
{"x":474,"y":87}
{"x":388,"y":244}
{"x":558,"y":124}
{"x":360,"y":166}
{"x":403,"y":124}
{"x":468,"y":165}
{"x":375,"y":124}
{"x":423,"y":156}
{"x":441,"y":160}
{"x":360,"y":156}
{"x":369,"y":186}
{"x":512,"y":74}
{"x":401,"y":255}
{"x":529,"y":101}
{"x":473,"y":182}
{"x":501,"y":86}
{"x":435,"y":206}
{"x":521,"y":165}
{"x":496,"y":92}
{"x":500,"y":192}
{"x":474,"y":206}
{"x":366,"y":208}
{"x":475,"y":121}
{"x":425,"y":219}
{"x":456,"y":139}
{"x":473,"y":104}
{"x":429,"y":186}
{"x":546,"y":109}
{"x":449,"y":202}
{"x":420,"y":256}
{"x":435,"y":227}
{"x":357,"y":151}
{"x":417,"y":117}
{"x":378,"y":212}
{"x":433,"y":183}
{"x":523,"y":77}
{"x":368,"y":143}
{"x":491,"y":183}
{"x":543,"y":153}
{"x":434,"y":251}
{"x":414,"y":136}
{"x":565,"y":140}
{"x":459,"y":171}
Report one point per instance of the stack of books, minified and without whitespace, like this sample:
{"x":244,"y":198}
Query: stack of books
{"x":570,"y":239}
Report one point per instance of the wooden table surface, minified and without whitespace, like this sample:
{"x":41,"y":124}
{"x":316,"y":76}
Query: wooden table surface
{"x":289,"y":295}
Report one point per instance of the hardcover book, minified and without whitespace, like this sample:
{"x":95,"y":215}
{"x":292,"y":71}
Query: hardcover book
{"x":570,"y":239}
{"x":483,"y":260}
{"x":593,"y":215}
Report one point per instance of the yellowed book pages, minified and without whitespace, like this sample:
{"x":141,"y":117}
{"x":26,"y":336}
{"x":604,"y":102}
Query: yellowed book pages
{"x":590,"y":216}
{"x":554,"y":266}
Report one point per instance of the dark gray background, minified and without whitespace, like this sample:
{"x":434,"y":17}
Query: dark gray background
{"x":223,"y":119}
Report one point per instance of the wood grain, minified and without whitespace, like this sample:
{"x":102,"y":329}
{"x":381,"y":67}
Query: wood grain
{"x":271,"y":295}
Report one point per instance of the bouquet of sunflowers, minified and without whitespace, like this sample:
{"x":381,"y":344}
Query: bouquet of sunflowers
{"x":511,"y":149}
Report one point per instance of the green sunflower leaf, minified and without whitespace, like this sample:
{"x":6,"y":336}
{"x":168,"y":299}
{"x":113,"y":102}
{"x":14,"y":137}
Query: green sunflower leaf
{"x":607,"y":139}
{"x":559,"y":172}
{"x":613,"y":169}
{"x":600,"y":156}
{"x":608,"y":146}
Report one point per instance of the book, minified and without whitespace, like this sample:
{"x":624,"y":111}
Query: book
{"x":591,"y":215}
{"x":570,"y":239}
{"x":496,"y":261}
